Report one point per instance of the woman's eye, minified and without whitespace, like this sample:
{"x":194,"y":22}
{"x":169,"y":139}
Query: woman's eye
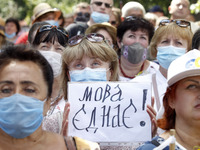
{"x":6,"y":91}
{"x":191,"y":86}
{"x":59,"y":49}
{"x":44,"y":47}
{"x":144,"y":38}
{"x":78,"y":66}
{"x":95,"y":64}
{"x":131,"y":36}
{"x":30,"y":90}
{"x":179,"y":43}
{"x":163,"y":42}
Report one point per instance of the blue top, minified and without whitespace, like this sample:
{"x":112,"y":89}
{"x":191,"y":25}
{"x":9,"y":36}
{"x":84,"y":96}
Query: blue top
{"x":157,"y":141}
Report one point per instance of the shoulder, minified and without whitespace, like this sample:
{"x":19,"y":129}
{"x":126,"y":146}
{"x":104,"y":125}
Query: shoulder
{"x":150,"y":145}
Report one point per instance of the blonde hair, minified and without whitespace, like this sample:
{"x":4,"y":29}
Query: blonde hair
{"x":171,"y":29}
{"x":99,"y":50}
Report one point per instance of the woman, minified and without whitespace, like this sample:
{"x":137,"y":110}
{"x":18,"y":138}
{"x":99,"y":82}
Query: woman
{"x":172,"y":39}
{"x":134,"y":35}
{"x":107,"y":30}
{"x":196,"y":40}
{"x":183,"y":92}
{"x":50,"y":38}
{"x":12,"y":28}
{"x":91,"y":52}
{"x":26,"y":81}
{"x":90,"y":58}
{"x":53,"y":40}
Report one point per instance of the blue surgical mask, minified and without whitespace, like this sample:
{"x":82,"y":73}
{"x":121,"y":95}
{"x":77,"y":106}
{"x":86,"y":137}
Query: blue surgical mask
{"x":20,"y":115}
{"x":88,"y":74}
{"x":10,"y":36}
{"x":99,"y":17}
{"x":52,"y":22}
{"x":166,"y":54}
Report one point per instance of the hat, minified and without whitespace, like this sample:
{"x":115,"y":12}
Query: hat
{"x":132,"y":5}
{"x":184,"y":66}
{"x":2,"y":25}
{"x":95,"y":27}
{"x":156,"y":8}
{"x":42,"y":9}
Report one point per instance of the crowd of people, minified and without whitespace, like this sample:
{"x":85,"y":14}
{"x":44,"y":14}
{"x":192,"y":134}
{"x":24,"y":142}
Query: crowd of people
{"x":99,"y":42}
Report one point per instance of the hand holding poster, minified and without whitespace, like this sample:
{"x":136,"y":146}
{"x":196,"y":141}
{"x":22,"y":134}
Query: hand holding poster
{"x":109,"y":111}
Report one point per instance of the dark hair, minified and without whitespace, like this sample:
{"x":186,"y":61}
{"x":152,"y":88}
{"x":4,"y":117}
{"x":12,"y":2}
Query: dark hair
{"x":16,"y":22}
{"x":52,"y":35}
{"x":24,"y":53}
{"x":196,"y":40}
{"x":135,"y":24}
{"x":33,"y":29}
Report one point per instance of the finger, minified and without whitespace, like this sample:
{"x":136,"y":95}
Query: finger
{"x":64,"y":130}
{"x":66,"y":113}
{"x":151,"y":110}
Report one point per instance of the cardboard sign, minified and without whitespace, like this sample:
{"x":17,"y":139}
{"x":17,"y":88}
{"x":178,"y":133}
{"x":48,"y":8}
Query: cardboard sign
{"x":109,"y":111}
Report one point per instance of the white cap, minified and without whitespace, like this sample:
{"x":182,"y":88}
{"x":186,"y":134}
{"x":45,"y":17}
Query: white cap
{"x":184,"y":66}
{"x":55,"y":60}
{"x":132,"y":5}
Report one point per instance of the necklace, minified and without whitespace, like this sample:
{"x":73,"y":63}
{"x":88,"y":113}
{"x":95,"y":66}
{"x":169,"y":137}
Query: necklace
{"x":140,"y":72}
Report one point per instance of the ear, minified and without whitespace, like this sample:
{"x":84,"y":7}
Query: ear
{"x":119,"y":43}
{"x":171,"y":103}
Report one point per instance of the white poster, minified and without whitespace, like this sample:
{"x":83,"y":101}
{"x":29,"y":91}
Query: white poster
{"x":109,"y":111}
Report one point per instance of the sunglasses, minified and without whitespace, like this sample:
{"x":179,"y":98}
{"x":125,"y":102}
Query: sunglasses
{"x":93,"y":37}
{"x":80,"y":14}
{"x":113,"y":22}
{"x":180,"y":23}
{"x":133,"y":18}
{"x":107,"y":5}
{"x":50,"y":27}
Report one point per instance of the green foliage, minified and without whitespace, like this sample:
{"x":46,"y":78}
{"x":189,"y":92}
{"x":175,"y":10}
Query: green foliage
{"x":23,"y":9}
{"x":195,"y":8}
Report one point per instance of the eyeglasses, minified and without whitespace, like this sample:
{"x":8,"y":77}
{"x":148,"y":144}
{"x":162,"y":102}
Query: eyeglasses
{"x":107,"y":5}
{"x":93,"y":37}
{"x":180,"y":23}
{"x":50,"y":27}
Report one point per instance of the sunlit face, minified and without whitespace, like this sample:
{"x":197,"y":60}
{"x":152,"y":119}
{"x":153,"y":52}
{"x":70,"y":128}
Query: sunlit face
{"x":24,"y":78}
{"x":187,"y":99}
{"x":90,"y":62}
{"x":68,"y":21}
{"x":10,"y":28}
{"x":102,"y":8}
{"x":179,"y":9}
{"x":138,"y":36}
{"x":175,"y":41}
{"x":107,"y":36}
{"x":135,"y":13}
{"x":48,"y":46}
{"x":113,"y":20}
